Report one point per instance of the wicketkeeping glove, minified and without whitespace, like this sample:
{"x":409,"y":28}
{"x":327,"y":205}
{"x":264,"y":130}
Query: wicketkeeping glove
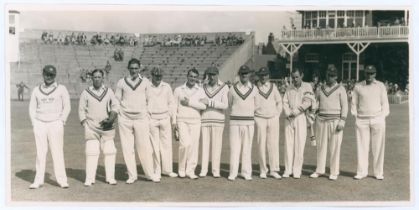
{"x":106,"y":124}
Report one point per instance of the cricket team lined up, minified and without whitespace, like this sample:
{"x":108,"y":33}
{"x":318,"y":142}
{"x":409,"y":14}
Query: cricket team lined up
{"x":147,"y":113}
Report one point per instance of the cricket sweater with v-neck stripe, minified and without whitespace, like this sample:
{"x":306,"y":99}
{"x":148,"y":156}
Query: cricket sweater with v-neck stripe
{"x":242,"y":100}
{"x":50,"y":103}
{"x":333,"y":102}
{"x":218,"y":102}
{"x":132,"y":97}
{"x":95,"y":105}
{"x":268,"y":101}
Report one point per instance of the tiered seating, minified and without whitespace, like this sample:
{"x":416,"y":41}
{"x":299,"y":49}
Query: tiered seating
{"x":71,"y":59}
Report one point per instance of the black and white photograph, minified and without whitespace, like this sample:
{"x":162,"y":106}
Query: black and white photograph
{"x":209,"y":106}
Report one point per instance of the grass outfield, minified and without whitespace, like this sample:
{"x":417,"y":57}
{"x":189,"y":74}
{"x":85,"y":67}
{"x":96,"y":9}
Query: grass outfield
{"x":395,"y":186}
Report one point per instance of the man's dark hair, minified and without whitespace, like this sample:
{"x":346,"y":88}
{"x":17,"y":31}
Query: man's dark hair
{"x":98,"y":70}
{"x":299,"y":70}
{"x":133,"y":61}
{"x":193,"y":70}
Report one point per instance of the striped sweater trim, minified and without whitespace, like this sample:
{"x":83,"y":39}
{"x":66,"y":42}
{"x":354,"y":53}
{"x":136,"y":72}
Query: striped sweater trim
{"x":47,"y":93}
{"x":267,"y":94}
{"x":212,"y":121}
{"x":211,"y":95}
{"x":329,"y":115}
{"x":242,"y":118}
{"x":242,"y":96}
{"x":332,"y":116}
{"x":133,"y":87}
{"x":100,"y":97}
{"x":328,"y":93}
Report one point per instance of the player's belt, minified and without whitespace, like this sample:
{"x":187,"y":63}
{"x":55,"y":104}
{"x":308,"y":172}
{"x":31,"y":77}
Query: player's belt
{"x":241,"y":117}
{"x":329,"y":115}
{"x":158,"y":113}
{"x":212,"y":121}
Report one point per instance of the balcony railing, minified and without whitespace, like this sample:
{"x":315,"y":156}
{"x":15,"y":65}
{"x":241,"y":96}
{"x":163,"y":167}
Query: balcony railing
{"x":382,"y":32}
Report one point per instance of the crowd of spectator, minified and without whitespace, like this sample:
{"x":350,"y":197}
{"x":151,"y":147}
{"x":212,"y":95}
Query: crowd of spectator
{"x":229,"y":40}
{"x":174,"y":40}
{"x":82,"y":39}
{"x":64,"y":39}
{"x":191,"y":40}
{"x":392,"y":22}
{"x":114,"y":39}
{"x":394,"y":89}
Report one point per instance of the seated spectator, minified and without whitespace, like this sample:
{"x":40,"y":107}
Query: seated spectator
{"x":106,"y":40}
{"x":108,"y":68}
{"x":84,"y":39}
{"x":118,"y":55}
{"x":44,"y":37}
{"x":131,"y":41}
{"x":50,"y":38}
{"x":121,"y":40}
{"x":99,"y":39}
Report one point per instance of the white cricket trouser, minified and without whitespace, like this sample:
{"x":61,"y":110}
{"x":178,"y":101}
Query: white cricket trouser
{"x":295,"y":140}
{"x":136,"y":133}
{"x":52,"y":134}
{"x":326,"y":134}
{"x":370,"y":129}
{"x":188,"y":146}
{"x":267,"y":137}
{"x":97,"y":140}
{"x":212,"y":135}
{"x":161,"y":139}
{"x":241,"y":137}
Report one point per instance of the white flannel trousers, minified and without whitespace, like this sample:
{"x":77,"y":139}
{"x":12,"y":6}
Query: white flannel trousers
{"x":212,"y":135}
{"x":188,"y":147}
{"x":52,"y":134}
{"x":326,"y":135}
{"x":241,"y":137}
{"x":370,"y":130}
{"x":134,"y":135}
{"x":295,"y":139}
{"x":161,"y":139}
{"x":267,"y":137}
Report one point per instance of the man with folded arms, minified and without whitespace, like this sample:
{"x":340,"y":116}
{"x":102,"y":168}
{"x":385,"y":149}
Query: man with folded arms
{"x":330,"y":121}
{"x":188,"y":122}
{"x":370,"y":107}
{"x":213,"y":121}
{"x":242,"y":102}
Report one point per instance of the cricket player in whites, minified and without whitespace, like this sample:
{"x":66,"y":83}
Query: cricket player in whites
{"x":98,"y":109}
{"x":242,"y":102}
{"x":188,"y":122}
{"x":268,"y":110}
{"x":298,"y":98}
{"x":133,"y":122}
{"x":370,"y":107}
{"x":161,"y":105}
{"x":49,"y":108}
{"x":330,"y":121}
{"x":213,"y":121}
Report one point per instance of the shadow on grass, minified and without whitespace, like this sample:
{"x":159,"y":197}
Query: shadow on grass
{"x":29,"y":176}
{"x":121,"y":173}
